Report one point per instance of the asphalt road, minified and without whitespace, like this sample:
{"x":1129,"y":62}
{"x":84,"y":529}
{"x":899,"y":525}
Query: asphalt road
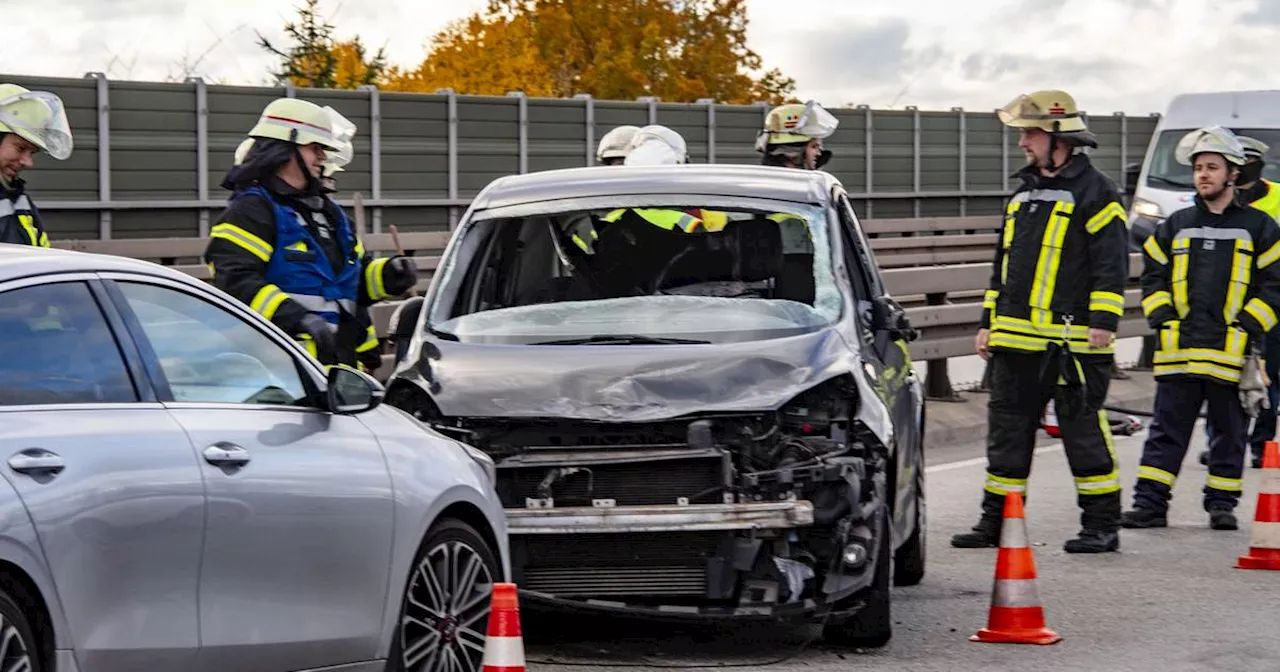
{"x":1170,"y":600}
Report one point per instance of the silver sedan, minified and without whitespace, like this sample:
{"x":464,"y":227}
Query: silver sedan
{"x":184,"y":488}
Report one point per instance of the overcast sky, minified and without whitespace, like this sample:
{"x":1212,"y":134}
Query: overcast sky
{"x":1112,"y":55}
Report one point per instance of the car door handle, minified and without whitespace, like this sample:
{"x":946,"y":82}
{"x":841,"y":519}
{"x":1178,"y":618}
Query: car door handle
{"x":226,"y":454}
{"x":35,"y":460}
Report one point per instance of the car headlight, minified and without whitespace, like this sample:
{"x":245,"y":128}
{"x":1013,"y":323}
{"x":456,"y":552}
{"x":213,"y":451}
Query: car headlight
{"x":1147,"y":209}
{"x":482,"y":458}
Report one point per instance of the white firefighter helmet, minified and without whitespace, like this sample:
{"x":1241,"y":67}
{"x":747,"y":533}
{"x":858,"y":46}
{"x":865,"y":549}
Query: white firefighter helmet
{"x":657,"y":146}
{"x":243,"y":150}
{"x":1253,"y":147}
{"x":616,"y":143}
{"x":335,"y":159}
{"x":300,"y":122}
{"x":796,"y":123}
{"x":39,"y":117}
{"x":1211,"y":139}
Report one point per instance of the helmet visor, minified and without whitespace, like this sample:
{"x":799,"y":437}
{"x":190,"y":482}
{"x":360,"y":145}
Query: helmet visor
{"x":344,"y":132}
{"x":41,"y":119}
{"x":815,"y":122}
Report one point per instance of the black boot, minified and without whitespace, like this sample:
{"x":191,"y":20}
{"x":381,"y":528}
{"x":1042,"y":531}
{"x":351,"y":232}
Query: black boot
{"x":1222,"y":519}
{"x":1204,"y":457}
{"x":1093,"y":541}
{"x":1140,"y":517}
{"x":986,"y":534}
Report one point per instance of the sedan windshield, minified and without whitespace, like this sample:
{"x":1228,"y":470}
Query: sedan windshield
{"x":639,"y":276}
{"x":1167,"y":174}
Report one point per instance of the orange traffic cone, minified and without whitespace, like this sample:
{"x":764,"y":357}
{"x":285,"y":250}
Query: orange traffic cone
{"x":1016,"y":615}
{"x":1264,"y":535}
{"x":503,"y":643}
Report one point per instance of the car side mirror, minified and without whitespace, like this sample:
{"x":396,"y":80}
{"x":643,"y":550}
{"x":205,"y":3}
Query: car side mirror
{"x":1131,"y":173}
{"x":351,"y":391}
{"x":890,"y":316}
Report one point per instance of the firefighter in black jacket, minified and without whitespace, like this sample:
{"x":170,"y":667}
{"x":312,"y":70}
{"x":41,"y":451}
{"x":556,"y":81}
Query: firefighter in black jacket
{"x":1211,"y":287}
{"x":1050,"y":315}
{"x":31,"y":122}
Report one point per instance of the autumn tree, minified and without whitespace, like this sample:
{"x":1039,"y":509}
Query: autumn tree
{"x":316,"y":59}
{"x":676,"y":50}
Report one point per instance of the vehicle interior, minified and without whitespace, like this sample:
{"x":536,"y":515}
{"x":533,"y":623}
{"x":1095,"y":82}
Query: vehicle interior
{"x":605,"y":254}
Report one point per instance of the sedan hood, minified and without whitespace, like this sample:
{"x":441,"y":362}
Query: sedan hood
{"x":628,"y":383}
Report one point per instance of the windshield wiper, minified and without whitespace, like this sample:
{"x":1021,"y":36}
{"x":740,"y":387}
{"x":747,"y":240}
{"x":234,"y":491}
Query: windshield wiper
{"x":1172,"y":183}
{"x":622,"y":339}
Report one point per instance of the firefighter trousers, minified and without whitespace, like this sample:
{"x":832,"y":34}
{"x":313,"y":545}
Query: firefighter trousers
{"x":1013,"y":415}
{"x":1177,"y":407}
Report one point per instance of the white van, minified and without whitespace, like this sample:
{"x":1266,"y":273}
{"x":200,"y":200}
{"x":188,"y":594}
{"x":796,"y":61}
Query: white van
{"x":1163,"y":185}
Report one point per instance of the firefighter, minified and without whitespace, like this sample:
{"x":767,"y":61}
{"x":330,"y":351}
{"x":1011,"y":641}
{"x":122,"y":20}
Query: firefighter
{"x":614,"y":146}
{"x":1264,"y":195}
{"x":286,"y":249}
{"x":1211,"y":288}
{"x":1049,"y":320}
{"x":30,"y":122}
{"x":793,"y":134}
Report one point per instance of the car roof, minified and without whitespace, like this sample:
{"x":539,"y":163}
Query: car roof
{"x":20,"y":261}
{"x":745,"y":181}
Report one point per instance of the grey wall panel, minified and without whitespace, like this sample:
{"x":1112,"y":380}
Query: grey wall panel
{"x":71,"y":224}
{"x":417,"y":219}
{"x":155,"y":224}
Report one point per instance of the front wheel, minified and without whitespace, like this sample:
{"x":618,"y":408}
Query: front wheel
{"x":18,"y":647}
{"x":445,"y":608}
{"x":909,"y":561}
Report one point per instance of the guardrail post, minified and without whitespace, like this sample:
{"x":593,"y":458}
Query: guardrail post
{"x":523,"y":130}
{"x":915,"y":157}
{"x":711,"y":127}
{"x":453,"y":153}
{"x":202,"y":149}
{"x":375,"y":152}
{"x":869,"y":134}
{"x":963,"y":124}
{"x":104,"y":154}
{"x":589,"y":102}
{"x":937,"y":381}
{"x":653,"y":107}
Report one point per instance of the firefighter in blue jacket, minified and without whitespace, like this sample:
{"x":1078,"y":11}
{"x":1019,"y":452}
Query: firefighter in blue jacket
{"x":289,"y":252}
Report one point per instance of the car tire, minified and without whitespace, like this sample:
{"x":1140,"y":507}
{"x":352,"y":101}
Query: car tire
{"x":871,"y":627}
{"x":433,"y":625}
{"x":19,"y":641}
{"x":909,"y":561}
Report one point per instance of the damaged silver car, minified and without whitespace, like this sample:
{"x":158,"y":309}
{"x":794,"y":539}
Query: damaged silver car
{"x":696,"y":390}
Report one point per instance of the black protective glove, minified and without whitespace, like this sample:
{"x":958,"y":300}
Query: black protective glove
{"x":371,"y":360}
{"x":399,"y":275}
{"x":322,"y":334}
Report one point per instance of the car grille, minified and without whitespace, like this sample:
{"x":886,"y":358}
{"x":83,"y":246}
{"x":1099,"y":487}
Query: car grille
{"x":617,"y":565}
{"x":628,"y":484}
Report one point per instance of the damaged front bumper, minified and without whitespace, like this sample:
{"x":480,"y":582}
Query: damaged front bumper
{"x":661,"y":518}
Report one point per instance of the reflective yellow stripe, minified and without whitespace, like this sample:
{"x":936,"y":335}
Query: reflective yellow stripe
{"x":29,"y":225}
{"x":1098,"y":485}
{"x":1152,"y":248}
{"x":267,"y":301}
{"x":1043,"y":285}
{"x":1180,"y":275}
{"x":989,"y":299}
{"x":44,"y":240}
{"x":1241,"y":270}
{"x":1269,"y":257}
{"x":1000,"y":485}
{"x":614,"y":215}
{"x":1225,"y":484}
{"x":308,"y":344}
{"x":1205,"y":354}
{"x":1104,"y":217}
{"x":373,"y":282}
{"x":359,"y":248}
{"x":371,"y":340}
{"x":1157,"y":475}
{"x":232,"y":233}
{"x":1261,"y":312}
{"x":1006,"y":239}
{"x":1157,"y":300}
{"x":1106,"y":302}
{"x":1169,"y":336}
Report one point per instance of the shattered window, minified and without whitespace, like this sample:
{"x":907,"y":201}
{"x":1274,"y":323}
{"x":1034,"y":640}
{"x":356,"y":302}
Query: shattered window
{"x":681,"y":273}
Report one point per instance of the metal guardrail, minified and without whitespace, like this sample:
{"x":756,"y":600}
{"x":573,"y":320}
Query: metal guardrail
{"x":940,"y":276}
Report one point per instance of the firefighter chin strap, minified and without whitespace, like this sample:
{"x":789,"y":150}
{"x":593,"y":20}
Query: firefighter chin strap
{"x":1053,"y":148}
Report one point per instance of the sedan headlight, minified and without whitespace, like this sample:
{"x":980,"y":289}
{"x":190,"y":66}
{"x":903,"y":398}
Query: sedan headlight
{"x":1148,"y":209}
{"x":482,"y":458}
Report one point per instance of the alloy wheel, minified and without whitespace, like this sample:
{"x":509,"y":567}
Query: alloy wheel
{"x":446,"y":610}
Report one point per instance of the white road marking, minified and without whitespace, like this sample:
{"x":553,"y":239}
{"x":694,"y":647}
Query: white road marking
{"x":982,"y":461}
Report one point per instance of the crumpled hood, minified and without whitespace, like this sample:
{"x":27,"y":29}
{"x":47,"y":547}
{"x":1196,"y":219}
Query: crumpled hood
{"x":629,"y":383}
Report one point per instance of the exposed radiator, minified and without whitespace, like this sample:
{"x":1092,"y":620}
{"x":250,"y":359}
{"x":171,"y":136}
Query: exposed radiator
{"x":602,"y":565}
{"x":637,"y":483}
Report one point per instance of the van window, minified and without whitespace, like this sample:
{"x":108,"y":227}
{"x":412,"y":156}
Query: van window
{"x":1166,"y":173}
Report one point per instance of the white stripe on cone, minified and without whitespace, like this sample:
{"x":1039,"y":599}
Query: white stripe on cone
{"x":1264,"y":535}
{"x":504,"y":651}
{"x":1013,"y":534}
{"x":1015,"y":593}
{"x":1270,"y":484}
